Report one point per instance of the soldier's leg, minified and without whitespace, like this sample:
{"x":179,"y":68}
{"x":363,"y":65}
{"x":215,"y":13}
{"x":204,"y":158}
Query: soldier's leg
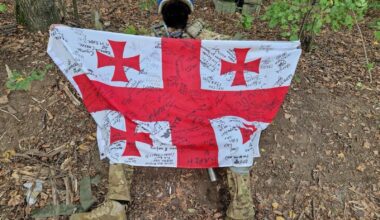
{"x":119,"y":186}
{"x":239,"y":186}
{"x":119,"y":182}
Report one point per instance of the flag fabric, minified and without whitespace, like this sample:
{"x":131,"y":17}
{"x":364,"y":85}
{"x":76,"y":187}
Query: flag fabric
{"x":165,"y":102}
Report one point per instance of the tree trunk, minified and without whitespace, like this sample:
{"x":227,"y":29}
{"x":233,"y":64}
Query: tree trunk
{"x":37,"y":15}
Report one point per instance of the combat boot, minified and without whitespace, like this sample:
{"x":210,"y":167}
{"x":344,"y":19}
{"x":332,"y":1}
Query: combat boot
{"x":110,"y":210}
{"x":119,"y":191}
{"x":241,"y":206}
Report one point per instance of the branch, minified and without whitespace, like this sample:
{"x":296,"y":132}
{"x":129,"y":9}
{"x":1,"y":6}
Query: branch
{"x":364,"y":47}
{"x":305,"y":18}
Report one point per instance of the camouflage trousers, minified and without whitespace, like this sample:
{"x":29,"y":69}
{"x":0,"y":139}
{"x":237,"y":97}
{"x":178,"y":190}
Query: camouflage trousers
{"x":239,"y":186}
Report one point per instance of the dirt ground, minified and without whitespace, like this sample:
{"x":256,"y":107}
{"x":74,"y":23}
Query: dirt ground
{"x":320,"y":158}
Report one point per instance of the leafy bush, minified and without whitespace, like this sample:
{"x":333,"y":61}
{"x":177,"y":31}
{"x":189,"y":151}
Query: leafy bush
{"x":301,"y":18}
{"x":18,"y":81}
{"x":247,"y":21}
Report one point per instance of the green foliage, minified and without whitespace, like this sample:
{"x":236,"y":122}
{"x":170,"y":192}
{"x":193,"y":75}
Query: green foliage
{"x":147,"y":5}
{"x":297,"y":79}
{"x":296,"y":16}
{"x":247,"y":21}
{"x":374,"y":4}
{"x":377,"y":35}
{"x":18,"y":81}
{"x":130,"y":29}
{"x":3,"y":8}
{"x":376,"y":27}
{"x":370,"y":66}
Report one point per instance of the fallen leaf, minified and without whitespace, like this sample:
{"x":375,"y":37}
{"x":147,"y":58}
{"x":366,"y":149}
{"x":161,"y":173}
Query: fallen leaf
{"x":291,"y":137}
{"x":361,"y":167}
{"x":287,"y":115}
{"x":280,"y":218}
{"x":3,"y":99}
{"x":191,"y":210}
{"x":84,"y":147}
{"x":7,"y":156}
{"x":15,"y":200}
{"x":291,"y":214}
{"x":366,"y":145}
{"x":341,"y":155}
{"x":92,"y":137}
{"x":275,"y":205}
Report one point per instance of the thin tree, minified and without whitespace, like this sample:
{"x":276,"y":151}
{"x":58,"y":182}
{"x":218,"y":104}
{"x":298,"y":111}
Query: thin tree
{"x":37,"y":15}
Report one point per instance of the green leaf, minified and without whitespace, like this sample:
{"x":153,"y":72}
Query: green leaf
{"x":3,"y":8}
{"x":377,"y":35}
{"x":48,"y":67}
{"x":18,"y":82}
{"x":370,"y":66}
{"x":130,"y":30}
{"x":297,"y":79}
{"x":247,"y":21}
{"x":349,"y":21}
{"x":285,"y":34}
{"x":294,"y":37}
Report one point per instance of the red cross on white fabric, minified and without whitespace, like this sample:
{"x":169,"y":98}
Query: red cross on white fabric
{"x":130,"y":136}
{"x":240,"y":66}
{"x":118,"y":61}
{"x":183,"y":104}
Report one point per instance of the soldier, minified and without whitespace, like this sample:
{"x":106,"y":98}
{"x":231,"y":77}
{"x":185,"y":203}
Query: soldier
{"x":175,"y":15}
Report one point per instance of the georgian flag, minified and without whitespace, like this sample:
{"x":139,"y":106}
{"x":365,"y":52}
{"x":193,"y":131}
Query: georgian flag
{"x":165,"y":102}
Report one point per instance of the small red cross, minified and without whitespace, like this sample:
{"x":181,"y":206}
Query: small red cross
{"x":240,"y":66}
{"x":246,"y":132}
{"x":130,"y":137}
{"x":118,"y":61}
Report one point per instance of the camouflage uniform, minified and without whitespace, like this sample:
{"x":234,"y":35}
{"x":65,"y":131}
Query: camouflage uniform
{"x":120,"y":176}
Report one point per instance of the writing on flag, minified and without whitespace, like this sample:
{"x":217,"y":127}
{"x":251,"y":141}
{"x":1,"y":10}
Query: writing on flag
{"x":176,"y":102}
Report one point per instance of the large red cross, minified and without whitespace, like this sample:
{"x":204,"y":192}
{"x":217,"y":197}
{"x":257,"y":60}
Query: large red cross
{"x":188,"y":108}
{"x":130,"y":136}
{"x":118,"y":61}
{"x":240,"y":66}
